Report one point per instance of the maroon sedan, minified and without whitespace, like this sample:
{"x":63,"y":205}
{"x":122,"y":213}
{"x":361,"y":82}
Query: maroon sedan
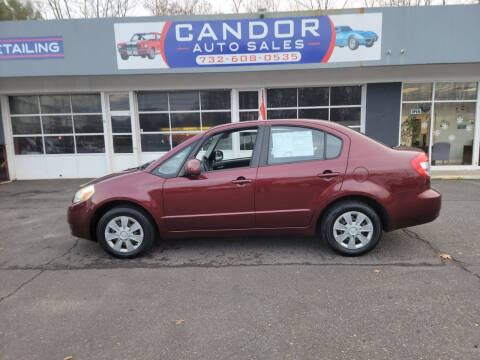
{"x":261,"y":177}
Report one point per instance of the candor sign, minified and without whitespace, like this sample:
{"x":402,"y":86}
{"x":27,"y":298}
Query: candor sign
{"x":31,"y":48}
{"x":220,"y":43}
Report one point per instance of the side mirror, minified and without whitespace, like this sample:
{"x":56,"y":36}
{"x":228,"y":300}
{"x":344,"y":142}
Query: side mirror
{"x":192,"y":167}
{"x":218,"y":155}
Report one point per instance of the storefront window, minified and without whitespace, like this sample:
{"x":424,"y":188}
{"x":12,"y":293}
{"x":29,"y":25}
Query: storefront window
{"x":341,"y":104}
{"x":417,"y":92}
{"x":57,"y":124}
{"x":248,"y":105}
{"x":453,"y":120}
{"x":455,"y":91}
{"x":415,"y":131}
{"x":168,"y":118}
{"x":453,"y":133}
{"x":119,"y":102}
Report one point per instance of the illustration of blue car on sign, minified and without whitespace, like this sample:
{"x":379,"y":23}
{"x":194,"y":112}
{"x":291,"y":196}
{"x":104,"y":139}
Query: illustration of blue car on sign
{"x":354,"y":38}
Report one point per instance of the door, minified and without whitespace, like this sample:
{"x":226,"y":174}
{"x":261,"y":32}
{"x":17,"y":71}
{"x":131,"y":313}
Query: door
{"x":248,"y":102}
{"x":222,"y":197}
{"x":3,"y":164}
{"x":124,"y":151}
{"x":301,"y":167}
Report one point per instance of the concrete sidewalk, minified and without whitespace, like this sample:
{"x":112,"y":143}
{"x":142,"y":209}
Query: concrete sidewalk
{"x":456,"y":174}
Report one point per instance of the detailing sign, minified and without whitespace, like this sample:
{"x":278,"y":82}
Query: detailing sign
{"x":31,"y":48}
{"x":220,"y":43}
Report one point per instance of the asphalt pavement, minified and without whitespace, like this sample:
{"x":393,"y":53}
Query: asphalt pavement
{"x":237,"y":298}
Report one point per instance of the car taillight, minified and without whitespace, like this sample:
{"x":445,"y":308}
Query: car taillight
{"x":421,"y":165}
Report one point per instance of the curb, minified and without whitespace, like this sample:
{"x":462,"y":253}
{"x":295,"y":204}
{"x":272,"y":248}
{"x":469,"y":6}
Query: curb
{"x":458,"y":177}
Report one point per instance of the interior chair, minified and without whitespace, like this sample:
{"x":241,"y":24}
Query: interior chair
{"x":441,"y":152}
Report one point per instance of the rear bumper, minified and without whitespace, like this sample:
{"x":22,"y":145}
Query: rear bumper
{"x":422,"y":208}
{"x":79,"y":216}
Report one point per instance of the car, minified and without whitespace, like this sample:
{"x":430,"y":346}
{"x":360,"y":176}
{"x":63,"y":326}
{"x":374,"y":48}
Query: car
{"x":141,"y":44}
{"x":275,"y":177}
{"x":345,"y":36}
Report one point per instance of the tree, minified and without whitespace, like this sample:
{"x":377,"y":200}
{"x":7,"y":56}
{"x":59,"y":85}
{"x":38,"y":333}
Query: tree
{"x":69,"y":9}
{"x":252,"y":6}
{"x":319,"y":4}
{"x":177,"y":7}
{"x":237,"y":6}
{"x":16,"y":10}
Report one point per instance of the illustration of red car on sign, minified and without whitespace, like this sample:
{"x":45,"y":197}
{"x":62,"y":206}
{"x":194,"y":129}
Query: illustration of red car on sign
{"x":141,"y":44}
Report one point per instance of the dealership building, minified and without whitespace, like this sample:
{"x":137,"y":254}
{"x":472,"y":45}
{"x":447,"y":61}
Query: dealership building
{"x":83,"y":98}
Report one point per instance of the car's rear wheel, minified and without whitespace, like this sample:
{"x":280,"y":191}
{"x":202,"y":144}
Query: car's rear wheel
{"x":352,"y":43}
{"x":125,"y":232}
{"x":152,"y":53}
{"x":369,"y":44}
{"x":124,"y":56}
{"x":352,"y":228}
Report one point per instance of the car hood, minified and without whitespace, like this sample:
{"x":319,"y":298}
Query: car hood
{"x":108,"y":177}
{"x":366,"y":33}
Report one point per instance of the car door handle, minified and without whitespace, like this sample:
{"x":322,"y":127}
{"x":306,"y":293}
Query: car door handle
{"x":241,"y":181}
{"x":328,"y":174}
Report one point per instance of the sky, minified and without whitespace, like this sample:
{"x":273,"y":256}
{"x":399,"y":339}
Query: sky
{"x":226,"y":6}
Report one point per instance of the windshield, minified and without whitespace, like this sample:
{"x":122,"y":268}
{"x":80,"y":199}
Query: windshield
{"x":144,"y":36}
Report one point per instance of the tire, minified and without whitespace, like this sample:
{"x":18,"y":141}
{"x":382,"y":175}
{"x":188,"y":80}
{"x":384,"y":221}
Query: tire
{"x":352,"y":43}
{"x":369,"y":44}
{"x":151,"y":56}
{"x":124,"y":56}
{"x":129,"y":241}
{"x":356,"y":242}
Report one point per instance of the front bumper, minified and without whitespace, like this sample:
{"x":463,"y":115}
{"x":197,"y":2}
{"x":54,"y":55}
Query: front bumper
{"x":79,"y":217}
{"x":368,"y":41}
{"x":133,"y":51}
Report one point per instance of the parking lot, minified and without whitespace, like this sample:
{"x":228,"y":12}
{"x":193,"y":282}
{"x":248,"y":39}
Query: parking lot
{"x":238,"y":298}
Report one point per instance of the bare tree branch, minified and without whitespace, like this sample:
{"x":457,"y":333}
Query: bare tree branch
{"x":69,"y":9}
{"x":177,"y":7}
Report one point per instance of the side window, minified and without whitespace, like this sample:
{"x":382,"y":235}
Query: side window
{"x":334,"y":146}
{"x":294,"y":144}
{"x":170,"y":167}
{"x":228,"y":150}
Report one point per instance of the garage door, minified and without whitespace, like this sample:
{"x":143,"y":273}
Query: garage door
{"x":58,"y":135}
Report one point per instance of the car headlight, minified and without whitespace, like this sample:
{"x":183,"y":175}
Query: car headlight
{"x":83,"y":194}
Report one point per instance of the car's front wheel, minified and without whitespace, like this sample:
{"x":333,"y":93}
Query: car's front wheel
{"x":125,"y":232}
{"x":152,"y":53}
{"x":352,"y":228}
{"x":124,"y":56}
{"x":352,"y":43}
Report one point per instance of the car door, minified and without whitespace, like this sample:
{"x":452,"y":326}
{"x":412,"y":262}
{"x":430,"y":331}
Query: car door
{"x":222,"y":196}
{"x":301,"y":167}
